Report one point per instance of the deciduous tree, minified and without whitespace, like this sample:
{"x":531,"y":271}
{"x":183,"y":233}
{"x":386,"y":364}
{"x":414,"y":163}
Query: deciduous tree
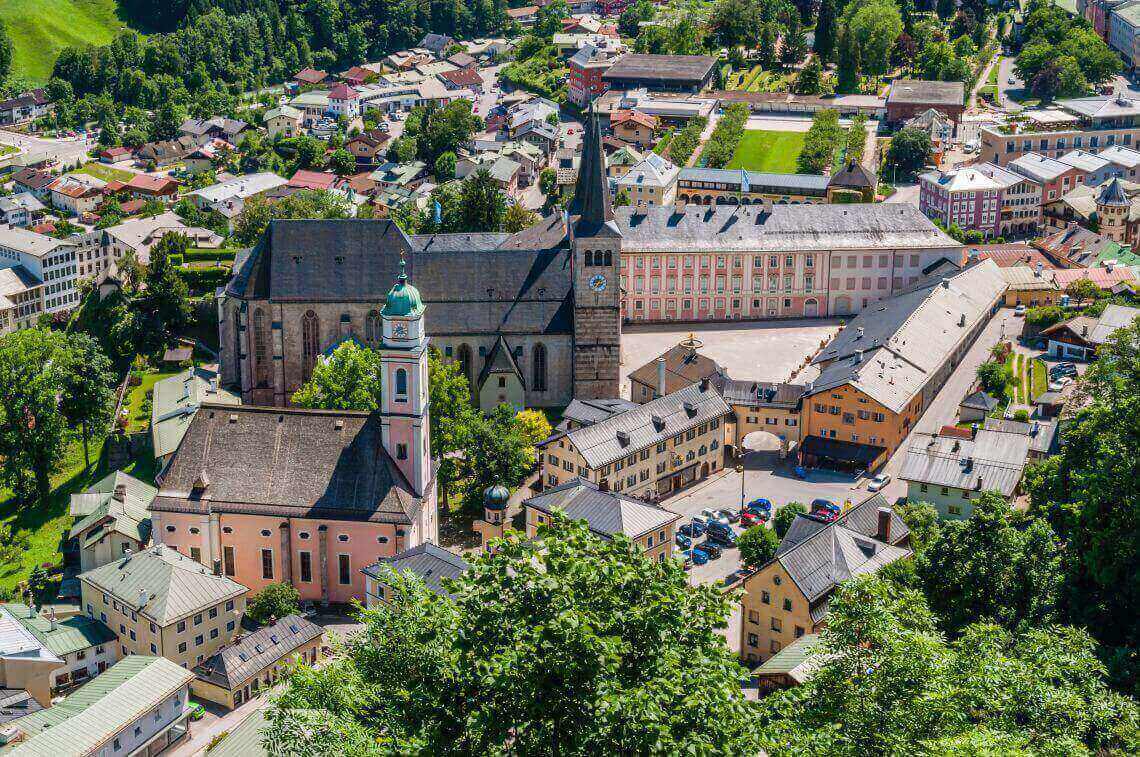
{"x":757,"y":545}
{"x":275,"y":601}
{"x":783,"y":518}
{"x":348,"y":380}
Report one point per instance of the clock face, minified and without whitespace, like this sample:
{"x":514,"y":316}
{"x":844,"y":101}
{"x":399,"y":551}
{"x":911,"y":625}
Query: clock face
{"x":598,"y":283}
{"x":401,"y":329}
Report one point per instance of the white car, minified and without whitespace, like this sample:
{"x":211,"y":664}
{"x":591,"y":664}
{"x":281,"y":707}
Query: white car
{"x":878,"y":482}
{"x":1011,"y":80}
{"x":1059,"y":384}
{"x":1019,"y":310}
{"x":712,"y":516}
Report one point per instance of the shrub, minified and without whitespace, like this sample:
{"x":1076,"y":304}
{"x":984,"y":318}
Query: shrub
{"x":820,"y":142}
{"x":686,"y":141}
{"x":195,"y":255}
{"x":274,"y":601}
{"x":200,"y":280}
{"x":726,"y":136}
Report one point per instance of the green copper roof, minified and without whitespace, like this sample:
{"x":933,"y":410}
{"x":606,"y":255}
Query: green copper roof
{"x":70,"y":634}
{"x":403,"y":299}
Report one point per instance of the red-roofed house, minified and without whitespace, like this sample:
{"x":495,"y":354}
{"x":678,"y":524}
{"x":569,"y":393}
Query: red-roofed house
{"x":524,"y":16}
{"x":76,"y":195}
{"x":357,"y":75}
{"x":310,"y":77}
{"x":462,"y":78}
{"x":146,"y":187}
{"x":116,"y":154}
{"x":344,"y":101}
{"x":312,"y":180}
{"x":1008,"y":255}
{"x":1105,"y":278}
{"x":634,"y":127}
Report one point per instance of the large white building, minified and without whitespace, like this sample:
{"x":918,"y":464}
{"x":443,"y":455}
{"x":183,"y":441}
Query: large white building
{"x":50,"y":260}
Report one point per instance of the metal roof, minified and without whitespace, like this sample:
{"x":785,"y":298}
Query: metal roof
{"x":605,"y":513}
{"x":586,"y":412}
{"x":431,"y":563}
{"x":684,"y":68}
{"x":98,"y":510}
{"x":923,"y":92}
{"x":243,"y":740}
{"x":791,"y":183}
{"x":176,"y":400}
{"x":93,"y":714}
{"x":235,"y":664}
{"x":991,"y":461}
{"x":1041,"y":433}
{"x":648,"y":424}
{"x":796,"y":660}
{"x":176,"y":586}
{"x":70,"y":634}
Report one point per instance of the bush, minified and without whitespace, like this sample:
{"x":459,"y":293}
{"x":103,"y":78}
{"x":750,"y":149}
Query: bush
{"x":274,"y":601}
{"x":726,"y":136}
{"x":176,"y":259}
{"x":783,"y":518}
{"x":196,"y":255}
{"x":820,"y":142}
{"x":200,"y":280}
{"x":686,"y":141}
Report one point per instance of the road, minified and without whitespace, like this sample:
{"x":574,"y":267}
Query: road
{"x":66,"y":151}
{"x":1005,"y":73}
{"x":905,"y":194}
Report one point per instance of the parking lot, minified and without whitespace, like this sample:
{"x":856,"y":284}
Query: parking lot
{"x":764,"y":476}
{"x":759,"y":351}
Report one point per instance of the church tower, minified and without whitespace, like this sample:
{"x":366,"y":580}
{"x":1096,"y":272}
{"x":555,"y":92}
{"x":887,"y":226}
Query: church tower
{"x":404,"y":385}
{"x":596,"y":244}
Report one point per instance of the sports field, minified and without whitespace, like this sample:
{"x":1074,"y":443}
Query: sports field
{"x":40,"y":28}
{"x":771,"y":151}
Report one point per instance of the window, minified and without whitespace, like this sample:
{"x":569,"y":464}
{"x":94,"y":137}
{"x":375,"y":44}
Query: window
{"x":260,"y":349}
{"x":199,"y":640}
{"x":228,"y":560}
{"x":465,"y":360}
{"x":372,"y":331}
{"x":753,"y":639}
{"x":401,"y":451}
{"x":213,"y":613}
{"x":198,"y":619}
{"x":799,"y":631}
{"x":230,"y":626}
{"x":765,"y":597}
{"x":401,"y":385}
{"x":213,"y":633}
{"x":267,"y":563}
{"x":196,"y":554}
{"x":306,"y":567}
{"x":539,"y":368}
{"x":776,"y":625}
{"x":345,"y":576}
{"x":788,"y":605}
{"x":181,"y":626}
{"x":310,"y":344}
{"x":153,"y":649}
{"x":753,"y":616}
{"x":182,"y":648}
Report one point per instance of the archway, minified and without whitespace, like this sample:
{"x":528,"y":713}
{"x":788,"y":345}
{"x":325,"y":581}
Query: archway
{"x":811,"y":308}
{"x":760,"y":441}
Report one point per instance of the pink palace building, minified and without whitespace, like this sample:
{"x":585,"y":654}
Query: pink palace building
{"x":310,"y":497}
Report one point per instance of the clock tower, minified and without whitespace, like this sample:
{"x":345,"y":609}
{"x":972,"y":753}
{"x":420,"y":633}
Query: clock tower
{"x":596,"y":244}
{"x":404,"y":385}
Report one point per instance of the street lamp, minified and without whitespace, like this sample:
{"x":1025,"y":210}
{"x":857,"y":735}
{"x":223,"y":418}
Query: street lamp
{"x":740,"y":470}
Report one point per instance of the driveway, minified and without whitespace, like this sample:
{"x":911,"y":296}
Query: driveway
{"x":752,"y":350}
{"x":905,"y":194}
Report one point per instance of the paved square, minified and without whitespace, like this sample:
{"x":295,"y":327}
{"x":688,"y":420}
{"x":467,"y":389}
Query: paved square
{"x":748,"y":350}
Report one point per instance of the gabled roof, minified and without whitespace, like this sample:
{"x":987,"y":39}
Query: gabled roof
{"x":431,"y":563}
{"x":235,"y":664}
{"x":797,"y":660}
{"x":762,"y":393}
{"x":96,"y":712}
{"x":176,"y":400}
{"x":657,"y":420}
{"x":70,"y":635}
{"x":176,"y":586}
{"x":979,"y":400}
{"x":99,"y":511}
{"x":586,"y":412}
{"x":992,"y":460}
{"x":500,"y":361}
{"x":310,"y":76}
{"x":684,"y":365}
{"x":854,"y":175}
{"x":606,"y":513}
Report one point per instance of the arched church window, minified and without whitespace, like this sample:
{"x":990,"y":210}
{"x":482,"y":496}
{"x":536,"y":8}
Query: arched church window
{"x":372,"y":332}
{"x":237,"y":345}
{"x":260,"y":349}
{"x":465,"y":361}
{"x":401,"y":382}
{"x":589,"y":258}
{"x":310,"y":343}
{"x":539,"y":368}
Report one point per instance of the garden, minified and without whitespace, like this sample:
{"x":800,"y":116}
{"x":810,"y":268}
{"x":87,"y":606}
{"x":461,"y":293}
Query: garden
{"x":770,"y":151}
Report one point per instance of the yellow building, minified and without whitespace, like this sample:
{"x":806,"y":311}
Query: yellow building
{"x":788,"y":596}
{"x":765,"y":407}
{"x":163,"y":603}
{"x":648,"y":451}
{"x":606,"y":514}
{"x":1031,"y":287}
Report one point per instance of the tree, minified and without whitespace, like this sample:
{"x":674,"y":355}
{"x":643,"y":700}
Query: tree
{"x":5,"y":53}
{"x":88,"y":397}
{"x":257,"y":212}
{"x":548,"y":19}
{"x":517,"y":218}
{"x":622,"y":199}
{"x":1083,"y":290}
{"x":497,"y":452}
{"x":483,"y":204}
{"x":13,"y":544}
{"x":1040,"y":318}
{"x":451,"y":417}
{"x":994,"y":377}
{"x":633,"y":15}
{"x":273,"y":602}
{"x":440,"y":130}
{"x":922,"y":520}
{"x":992,"y":566}
{"x":547,"y":180}
{"x":825,"y":30}
{"x":808,"y":80}
{"x":535,"y":427}
{"x":909,"y":151}
{"x":445,"y":166}
{"x":167,"y":118}
{"x":348,"y":380}
{"x":871,"y":30}
{"x":309,"y":152}
{"x":734,"y":22}
{"x":164,"y":303}
{"x":543,"y":647}
{"x":783,"y":518}
{"x":757,"y":545}
{"x":889,"y":683}
{"x":342,"y":162}
{"x":794,"y":42}
{"x":32,"y":430}
{"x":847,"y":65}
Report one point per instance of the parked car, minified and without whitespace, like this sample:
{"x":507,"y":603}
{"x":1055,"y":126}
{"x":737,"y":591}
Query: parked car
{"x":732,"y":515}
{"x":825,"y":515}
{"x":711,"y":549}
{"x":1063,"y":369}
{"x":698,"y":526}
{"x":384,"y":126}
{"x":759,"y":506}
{"x":713,"y":516}
{"x":1019,"y":310}
{"x":197,"y":711}
{"x":749,"y":519}
{"x":722,"y":534}
{"x":824,"y":504}
{"x":700,"y":557}
{"x":878,"y":482}
{"x":683,"y":541}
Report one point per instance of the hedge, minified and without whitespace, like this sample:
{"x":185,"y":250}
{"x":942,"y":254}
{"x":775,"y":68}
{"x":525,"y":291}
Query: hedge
{"x":726,"y":136}
{"x":204,"y":279}
{"x":197,"y":255}
{"x":687,"y":140}
{"x":176,"y":258}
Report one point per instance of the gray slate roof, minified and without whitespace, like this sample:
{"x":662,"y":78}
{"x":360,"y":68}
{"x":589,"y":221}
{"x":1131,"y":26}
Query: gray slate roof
{"x":979,"y":400}
{"x":98,"y":505}
{"x":776,"y":228}
{"x":586,"y":412}
{"x":784,"y":183}
{"x":923,"y":92}
{"x":176,"y":400}
{"x":175,"y":585}
{"x":471,"y":283}
{"x":232,"y":666}
{"x":648,"y":424}
{"x":501,"y":360}
{"x":606,"y":513}
{"x":430,"y":562}
{"x":294,"y":463}
{"x":682,"y":68}
{"x":819,"y":556}
{"x":992,"y":460}
{"x":1042,"y":434}
{"x":762,"y":393}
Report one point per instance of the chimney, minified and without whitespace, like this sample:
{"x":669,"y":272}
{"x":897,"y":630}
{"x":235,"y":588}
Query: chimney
{"x":623,"y":438}
{"x":51,"y":620}
{"x":859,"y":333}
{"x":660,"y":377}
{"x":978,"y":486}
{"x":705,"y":384}
{"x":120,"y":494}
{"x":883,"y":533}
{"x":1036,"y":429}
{"x":1040,"y":268}
{"x":962,"y":320}
{"x":1084,"y":330}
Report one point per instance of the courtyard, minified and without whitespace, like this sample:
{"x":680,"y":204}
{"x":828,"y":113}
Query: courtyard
{"x":754,"y":350}
{"x":768,"y":151}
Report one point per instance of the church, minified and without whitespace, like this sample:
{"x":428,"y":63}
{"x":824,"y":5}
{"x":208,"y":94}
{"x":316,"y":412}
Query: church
{"x":535,"y":318}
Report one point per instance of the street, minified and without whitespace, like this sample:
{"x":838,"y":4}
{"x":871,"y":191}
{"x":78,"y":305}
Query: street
{"x":66,"y":151}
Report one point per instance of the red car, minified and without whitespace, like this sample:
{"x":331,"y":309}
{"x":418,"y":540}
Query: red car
{"x":748,"y":519}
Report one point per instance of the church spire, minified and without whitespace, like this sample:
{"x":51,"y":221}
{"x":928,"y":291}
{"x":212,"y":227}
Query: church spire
{"x":591,"y":203}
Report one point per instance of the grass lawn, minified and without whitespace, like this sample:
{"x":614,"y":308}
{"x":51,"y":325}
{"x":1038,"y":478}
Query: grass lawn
{"x":104,"y":172}
{"x":39,"y":28}
{"x":7,"y":149}
{"x":138,"y":410}
{"x":1040,"y":379}
{"x":772,"y":151}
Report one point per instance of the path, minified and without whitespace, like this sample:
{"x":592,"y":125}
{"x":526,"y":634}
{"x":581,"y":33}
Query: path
{"x":982,"y":79}
{"x":713,"y":118}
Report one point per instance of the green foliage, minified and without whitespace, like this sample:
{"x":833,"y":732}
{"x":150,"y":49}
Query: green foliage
{"x":820,"y":142}
{"x":342,"y":162}
{"x":870,"y":29}
{"x":757,"y":545}
{"x":687,"y":140}
{"x":889,"y":683}
{"x":1083,"y":290}
{"x":198,"y":255}
{"x":5,"y":52}
{"x":451,"y":416}
{"x":783,"y":518}
{"x":909,"y":151}
{"x":88,"y":397}
{"x":484,"y":205}
{"x":254,"y":218}
{"x":922,"y":520}
{"x":809,"y":79}
{"x":856,"y":141}
{"x":275,"y":601}
{"x":439,"y":130}
{"x":536,"y":68}
{"x":995,"y":566}
{"x":497,"y":451}
{"x":1061,"y":55}
{"x":560,"y":641}
{"x":13,"y":544}
{"x":826,"y":30}
{"x":348,"y":380}
{"x":445,"y":166}
{"x":516,"y":218}
{"x":628,"y":21}
{"x":547,"y":180}
{"x":994,"y":377}
{"x":725,"y":137}
{"x":939,"y":61}
{"x":203,"y":280}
